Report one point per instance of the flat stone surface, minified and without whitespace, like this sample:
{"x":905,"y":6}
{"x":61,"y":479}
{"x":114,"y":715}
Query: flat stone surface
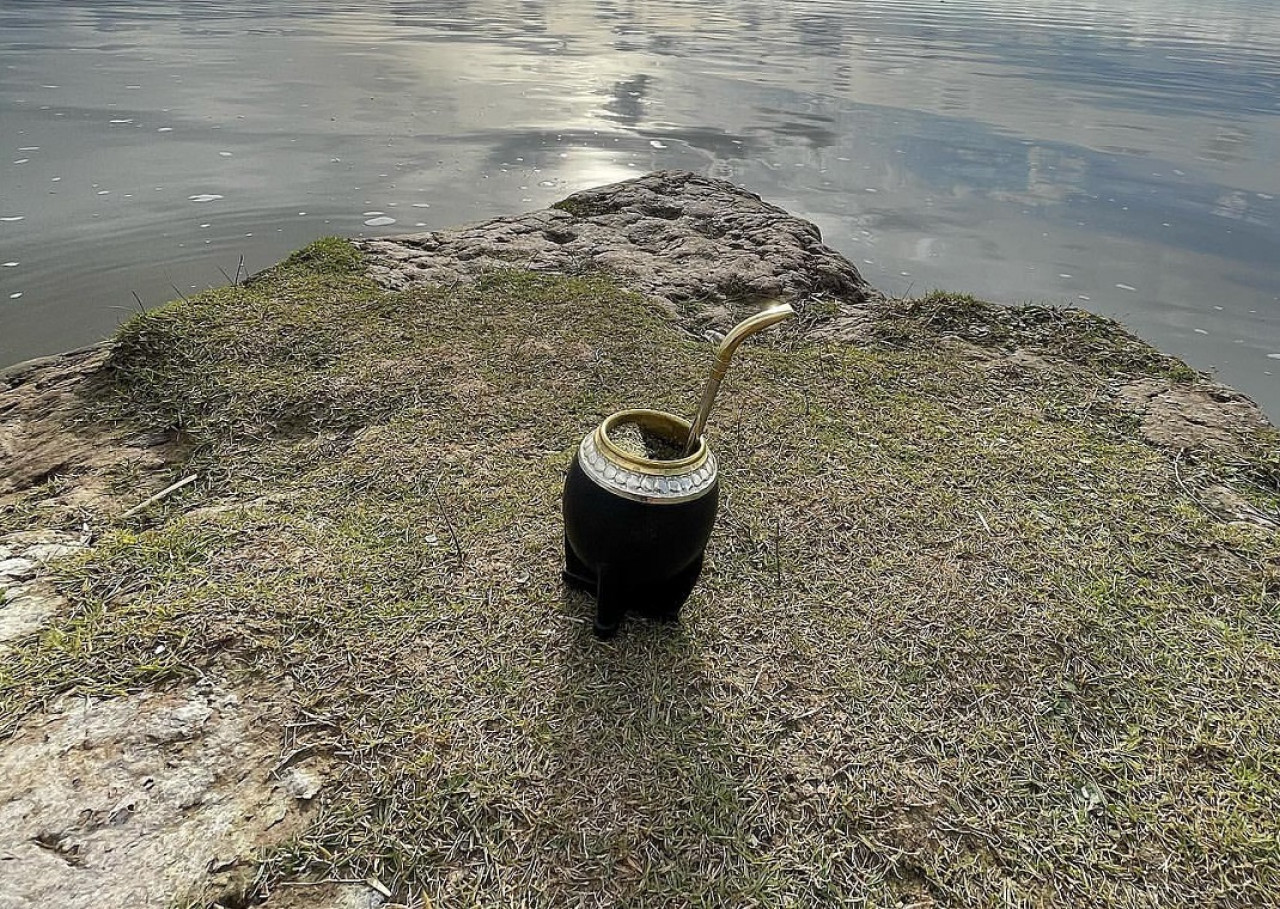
{"x":711,"y":251}
{"x":1206,"y":414}
{"x":25,"y":610}
{"x":131,"y":801}
{"x":17,"y":569}
{"x":325,"y":896}
{"x":48,"y":552}
{"x":44,"y":436}
{"x":27,"y":599}
{"x":24,"y":539}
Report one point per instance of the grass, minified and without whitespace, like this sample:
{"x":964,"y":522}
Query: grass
{"x":1079,"y":337}
{"x":959,"y":642}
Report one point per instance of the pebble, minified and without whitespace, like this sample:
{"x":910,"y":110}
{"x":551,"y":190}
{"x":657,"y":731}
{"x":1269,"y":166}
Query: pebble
{"x":302,"y":783}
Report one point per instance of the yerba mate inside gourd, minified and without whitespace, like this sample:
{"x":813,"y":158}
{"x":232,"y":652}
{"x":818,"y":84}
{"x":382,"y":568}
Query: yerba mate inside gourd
{"x":645,"y":442}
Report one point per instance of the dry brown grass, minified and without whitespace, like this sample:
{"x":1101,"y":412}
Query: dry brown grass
{"x":958,"y":642}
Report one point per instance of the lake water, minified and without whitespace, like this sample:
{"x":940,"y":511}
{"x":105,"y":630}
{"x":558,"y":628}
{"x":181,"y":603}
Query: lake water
{"x":1120,"y":155}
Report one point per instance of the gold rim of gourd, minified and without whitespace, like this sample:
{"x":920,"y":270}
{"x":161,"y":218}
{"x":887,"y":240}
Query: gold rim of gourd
{"x":674,"y":429}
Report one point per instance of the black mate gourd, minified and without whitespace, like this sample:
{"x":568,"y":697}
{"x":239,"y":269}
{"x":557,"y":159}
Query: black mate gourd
{"x":640,"y":501}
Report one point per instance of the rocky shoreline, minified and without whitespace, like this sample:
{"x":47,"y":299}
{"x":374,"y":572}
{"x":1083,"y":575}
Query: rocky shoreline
{"x":706,"y":250}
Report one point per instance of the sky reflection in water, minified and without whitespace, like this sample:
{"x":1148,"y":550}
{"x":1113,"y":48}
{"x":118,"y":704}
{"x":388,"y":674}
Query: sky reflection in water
{"x":1118,"y":156}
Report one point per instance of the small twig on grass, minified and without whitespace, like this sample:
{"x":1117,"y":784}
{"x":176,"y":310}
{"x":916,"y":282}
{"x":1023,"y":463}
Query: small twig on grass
{"x":141,"y":308}
{"x":324,"y":883}
{"x":167,"y":491}
{"x":239,"y":268}
{"x":453,"y":535}
{"x":178,"y":292}
{"x":296,"y":756}
{"x":777,"y":549}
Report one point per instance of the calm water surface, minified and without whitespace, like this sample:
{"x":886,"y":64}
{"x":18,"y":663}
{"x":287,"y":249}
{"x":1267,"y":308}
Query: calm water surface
{"x":1122,"y":155}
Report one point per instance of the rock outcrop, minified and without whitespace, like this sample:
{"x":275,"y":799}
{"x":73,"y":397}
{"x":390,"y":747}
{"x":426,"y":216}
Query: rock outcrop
{"x":708,"y":249}
{"x":347,"y":637}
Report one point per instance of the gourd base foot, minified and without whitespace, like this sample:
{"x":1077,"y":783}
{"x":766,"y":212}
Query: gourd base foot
{"x":616,"y":596}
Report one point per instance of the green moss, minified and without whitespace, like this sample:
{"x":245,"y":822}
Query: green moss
{"x":957,"y":641}
{"x":586,"y":205}
{"x":575,"y":207}
{"x":590,"y":205}
{"x":326,"y":256}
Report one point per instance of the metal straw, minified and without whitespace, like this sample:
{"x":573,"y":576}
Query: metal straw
{"x":724,"y":353}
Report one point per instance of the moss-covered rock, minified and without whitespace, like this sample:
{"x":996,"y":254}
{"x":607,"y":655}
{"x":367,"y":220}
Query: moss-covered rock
{"x":965,"y":636}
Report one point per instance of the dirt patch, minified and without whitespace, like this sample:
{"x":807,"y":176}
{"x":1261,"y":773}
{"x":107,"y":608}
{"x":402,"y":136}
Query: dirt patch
{"x":58,"y":462}
{"x":135,"y":801}
{"x":1189,"y":416}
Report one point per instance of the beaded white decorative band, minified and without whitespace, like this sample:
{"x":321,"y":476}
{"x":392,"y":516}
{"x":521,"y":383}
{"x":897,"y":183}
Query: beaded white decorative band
{"x":644,"y":487}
